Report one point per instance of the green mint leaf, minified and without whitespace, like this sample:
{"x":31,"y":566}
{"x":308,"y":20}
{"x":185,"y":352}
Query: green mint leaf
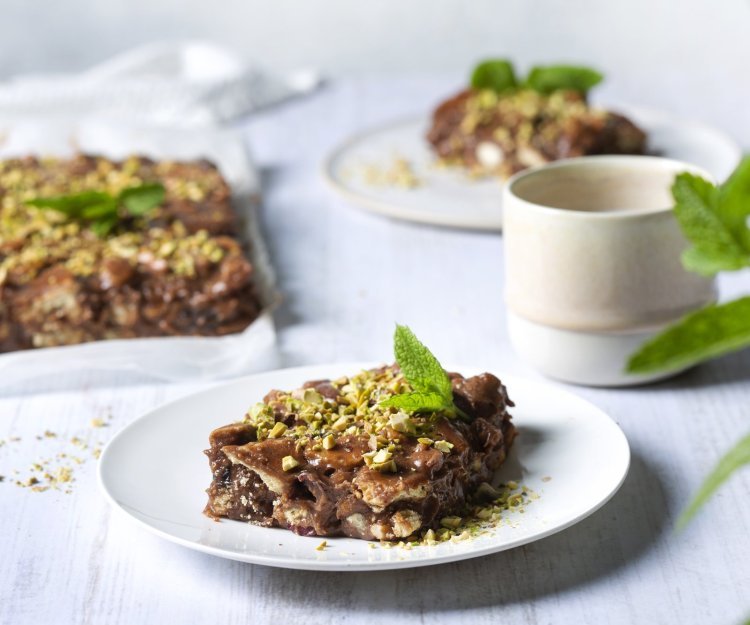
{"x":100,"y":210}
{"x":734,"y":203}
{"x":549,"y":78}
{"x":106,"y":208}
{"x":433,"y":391}
{"x":141,"y":199}
{"x":102,"y":227}
{"x":707,"y":333}
{"x":715,"y":245}
{"x":420,"y":368}
{"x":736,"y":458}
{"x":494,"y":74}
{"x":72,"y":205}
{"x":416,"y":402}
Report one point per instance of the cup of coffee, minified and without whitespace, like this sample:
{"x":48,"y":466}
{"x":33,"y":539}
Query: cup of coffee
{"x":592,"y":260}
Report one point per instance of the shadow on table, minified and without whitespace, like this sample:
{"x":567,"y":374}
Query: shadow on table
{"x":614,"y":537}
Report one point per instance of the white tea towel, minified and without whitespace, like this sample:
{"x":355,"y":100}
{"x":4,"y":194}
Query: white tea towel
{"x":182,"y":84}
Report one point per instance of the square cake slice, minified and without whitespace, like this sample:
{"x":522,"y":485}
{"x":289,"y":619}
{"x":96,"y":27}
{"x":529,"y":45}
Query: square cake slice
{"x":179,"y":269}
{"x":328,"y":460}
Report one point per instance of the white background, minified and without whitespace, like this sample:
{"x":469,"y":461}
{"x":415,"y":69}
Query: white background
{"x":688,"y":56}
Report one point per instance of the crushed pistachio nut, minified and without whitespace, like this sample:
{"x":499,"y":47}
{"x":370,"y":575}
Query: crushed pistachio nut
{"x":451,"y":522}
{"x":487,"y":491}
{"x":399,"y":173}
{"x":289,"y":462}
{"x":340,"y":424}
{"x":443,"y":446}
{"x":381,"y":456}
{"x":277,"y":430}
{"x":401,"y":422}
{"x":353,"y":407}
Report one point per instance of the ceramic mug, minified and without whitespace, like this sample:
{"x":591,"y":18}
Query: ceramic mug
{"x":592,"y":260}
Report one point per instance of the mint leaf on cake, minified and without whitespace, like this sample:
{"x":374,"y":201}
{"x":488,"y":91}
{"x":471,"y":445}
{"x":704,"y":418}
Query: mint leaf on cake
{"x":496,"y":75}
{"x":550,"y":78}
{"x":102,"y":211}
{"x":432,"y":386}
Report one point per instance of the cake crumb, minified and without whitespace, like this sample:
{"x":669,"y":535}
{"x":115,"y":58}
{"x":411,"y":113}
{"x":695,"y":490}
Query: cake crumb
{"x":399,"y":173}
{"x":55,"y":471}
{"x":322,"y":546}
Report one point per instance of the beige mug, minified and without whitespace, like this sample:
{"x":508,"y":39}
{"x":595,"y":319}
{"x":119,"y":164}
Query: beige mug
{"x":592,"y":260}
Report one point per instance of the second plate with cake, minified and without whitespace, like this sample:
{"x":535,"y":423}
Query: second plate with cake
{"x":391,"y":170}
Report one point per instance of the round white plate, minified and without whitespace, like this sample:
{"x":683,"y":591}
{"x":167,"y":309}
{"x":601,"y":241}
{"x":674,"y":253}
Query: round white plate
{"x":448,"y":197}
{"x":154,"y":472}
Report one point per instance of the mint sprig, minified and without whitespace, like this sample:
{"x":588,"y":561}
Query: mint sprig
{"x":432,"y":386}
{"x":499,"y":75}
{"x":714,"y":220}
{"x":102,"y":211}
{"x":496,"y":75}
{"x":708,"y":217}
{"x":549,"y":78}
{"x":734,"y":459}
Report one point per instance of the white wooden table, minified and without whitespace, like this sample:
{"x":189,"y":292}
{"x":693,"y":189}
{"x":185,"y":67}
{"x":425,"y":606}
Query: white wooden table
{"x":347,"y":277}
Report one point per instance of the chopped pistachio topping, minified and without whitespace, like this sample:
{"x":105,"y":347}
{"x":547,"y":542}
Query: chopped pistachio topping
{"x":340,"y":424}
{"x":352,"y":409}
{"x":443,"y":446}
{"x":381,"y":456}
{"x":451,"y":522}
{"x":288,"y":463}
{"x":41,"y":237}
{"x":479,"y":517}
{"x":277,"y":430}
{"x":401,"y":422}
{"x":338,"y":412}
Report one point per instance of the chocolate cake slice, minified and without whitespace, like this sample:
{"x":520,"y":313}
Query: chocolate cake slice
{"x":328,"y":460}
{"x":500,"y":134}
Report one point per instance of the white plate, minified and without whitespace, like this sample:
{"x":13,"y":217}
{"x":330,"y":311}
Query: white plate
{"x":154,"y":472}
{"x":448,"y":197}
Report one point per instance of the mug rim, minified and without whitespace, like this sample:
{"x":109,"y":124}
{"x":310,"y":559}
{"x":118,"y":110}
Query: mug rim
{"x":593,"y":162}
